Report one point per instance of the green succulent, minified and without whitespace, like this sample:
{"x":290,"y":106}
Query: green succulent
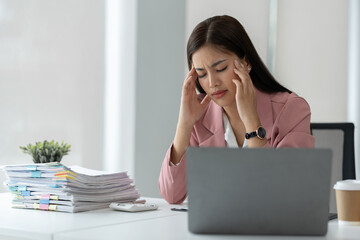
{"x":45,"y":152}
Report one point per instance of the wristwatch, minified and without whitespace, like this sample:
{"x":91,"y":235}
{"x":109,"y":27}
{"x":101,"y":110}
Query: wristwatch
{"x":260,"y":133}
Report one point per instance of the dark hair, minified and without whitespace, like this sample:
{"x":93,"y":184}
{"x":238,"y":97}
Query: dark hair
{"x":227,"y":33}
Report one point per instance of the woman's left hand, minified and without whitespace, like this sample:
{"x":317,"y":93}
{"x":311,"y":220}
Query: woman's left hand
{"x":245,"y":96}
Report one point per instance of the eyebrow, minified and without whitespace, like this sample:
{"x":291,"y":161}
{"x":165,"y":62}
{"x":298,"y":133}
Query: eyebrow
{"x":213,"y":65}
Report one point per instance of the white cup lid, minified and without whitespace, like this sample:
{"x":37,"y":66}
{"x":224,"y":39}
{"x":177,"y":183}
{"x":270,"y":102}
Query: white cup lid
{"x":349,"y":185}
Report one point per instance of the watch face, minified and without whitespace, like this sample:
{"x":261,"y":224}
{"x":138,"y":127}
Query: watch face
{"x":261,"y":132}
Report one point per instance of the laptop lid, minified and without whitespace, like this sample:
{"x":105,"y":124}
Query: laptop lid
{"x":258,"y":191}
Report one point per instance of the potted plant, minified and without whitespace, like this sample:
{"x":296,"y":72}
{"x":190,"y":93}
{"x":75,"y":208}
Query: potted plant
{"x":45,"y":152}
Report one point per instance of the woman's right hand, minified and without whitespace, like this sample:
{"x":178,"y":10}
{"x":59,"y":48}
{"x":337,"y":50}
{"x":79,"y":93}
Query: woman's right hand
{"x":191,"y":108}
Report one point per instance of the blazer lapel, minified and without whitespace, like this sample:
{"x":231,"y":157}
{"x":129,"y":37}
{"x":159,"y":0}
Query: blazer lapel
{"x":213,"y":123}
{"x":212,"y":133}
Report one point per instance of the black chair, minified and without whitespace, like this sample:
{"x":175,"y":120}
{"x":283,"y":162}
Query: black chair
{"x":340,"y":138}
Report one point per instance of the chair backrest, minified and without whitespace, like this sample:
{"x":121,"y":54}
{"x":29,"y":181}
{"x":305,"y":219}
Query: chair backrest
{"x":340,"y":138}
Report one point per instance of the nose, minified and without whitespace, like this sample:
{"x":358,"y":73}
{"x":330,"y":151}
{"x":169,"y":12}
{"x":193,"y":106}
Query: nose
{"x":213,"y":81}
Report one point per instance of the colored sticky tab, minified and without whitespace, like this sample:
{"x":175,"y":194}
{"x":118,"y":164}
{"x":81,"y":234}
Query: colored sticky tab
{"x":25,"y":193}
{"x":54,"y":186}
{"x":43,"y":206}
{"x":45,"y":196}
{"x":54,"y":197}
{"x":21,"y":188}
{"x":31,"y":167}
{"x":36,"y":206}
{"x":36,"y":174}
{"x":52,"y":207}
{"x":44,"y":201}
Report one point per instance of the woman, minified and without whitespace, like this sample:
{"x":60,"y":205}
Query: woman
{"x":240,"y":103}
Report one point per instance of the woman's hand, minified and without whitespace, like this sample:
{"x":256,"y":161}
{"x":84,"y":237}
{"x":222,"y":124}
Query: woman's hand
{"x":191,"y":108}
{"x":246,"y":97}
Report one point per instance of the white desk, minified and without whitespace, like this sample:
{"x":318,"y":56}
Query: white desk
{"x":107,"y":224}
{"x":43,"y":225}
{"x":175,"y":228}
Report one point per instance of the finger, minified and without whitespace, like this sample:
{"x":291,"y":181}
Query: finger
{"x":188,"y":85}
{"x":205,"y":100}
{"x":240,"y":69}
{"x":241,"y":66}
{"x":190,"y":73}
{"x":244,"y":76}
{"x":239,"y":86}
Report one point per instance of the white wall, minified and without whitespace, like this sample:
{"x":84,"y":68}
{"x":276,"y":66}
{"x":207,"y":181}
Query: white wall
{"x":311,"y":54}
{"x":354,"y":75}
{"x":253,"y":15}
{"x":51,"y":77}
{"x":159,"y":76}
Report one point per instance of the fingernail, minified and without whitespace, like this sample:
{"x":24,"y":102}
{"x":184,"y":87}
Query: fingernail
{"x":236,"y":62}
{"x":242,"y":65}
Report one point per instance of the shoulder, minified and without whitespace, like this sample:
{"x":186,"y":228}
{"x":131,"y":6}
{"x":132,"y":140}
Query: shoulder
{"x":285,"y":97}
{"x":287,"y":101}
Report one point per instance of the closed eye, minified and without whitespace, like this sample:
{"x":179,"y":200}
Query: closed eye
{"x":221,"y":70}
{"x":201,"y":76}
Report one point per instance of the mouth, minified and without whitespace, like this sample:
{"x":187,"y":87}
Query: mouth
{"x":219,"y":94}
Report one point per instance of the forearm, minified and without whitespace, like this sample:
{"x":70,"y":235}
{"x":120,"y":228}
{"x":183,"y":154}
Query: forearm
{"x":181,"y":142}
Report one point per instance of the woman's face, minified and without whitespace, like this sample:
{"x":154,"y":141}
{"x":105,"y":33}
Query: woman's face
{"x":215,"y":70}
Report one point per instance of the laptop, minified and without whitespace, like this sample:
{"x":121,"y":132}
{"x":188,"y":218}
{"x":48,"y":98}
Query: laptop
{"x":258,"y":191}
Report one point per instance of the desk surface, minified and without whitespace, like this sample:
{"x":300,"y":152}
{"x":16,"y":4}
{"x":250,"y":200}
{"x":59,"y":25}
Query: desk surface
{"x":36,"y":224}
{"x":175,"y":228}
{"x":108,"y":224}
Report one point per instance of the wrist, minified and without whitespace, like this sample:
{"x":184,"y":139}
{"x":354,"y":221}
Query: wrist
{"x":253,"y":125}
{"x":251,"y":121}
{"x":184,"y":126}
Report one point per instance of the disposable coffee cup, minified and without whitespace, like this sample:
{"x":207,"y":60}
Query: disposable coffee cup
{"x":348,"y":202}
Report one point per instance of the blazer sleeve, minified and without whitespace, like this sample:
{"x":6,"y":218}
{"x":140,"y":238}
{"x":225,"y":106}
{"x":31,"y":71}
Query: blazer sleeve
{"x":172,"y":180}
{"x":291,"y":127}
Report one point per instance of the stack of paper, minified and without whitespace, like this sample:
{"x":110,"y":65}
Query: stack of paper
{"x":56,"y":187}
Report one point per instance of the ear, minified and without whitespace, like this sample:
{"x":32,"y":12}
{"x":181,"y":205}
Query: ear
{"x":247,"y":63}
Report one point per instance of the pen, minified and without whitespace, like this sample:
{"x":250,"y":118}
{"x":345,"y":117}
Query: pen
{"x":179,"y":209}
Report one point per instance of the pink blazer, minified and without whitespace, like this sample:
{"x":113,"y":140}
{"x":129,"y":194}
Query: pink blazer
{"x":286,"y":118}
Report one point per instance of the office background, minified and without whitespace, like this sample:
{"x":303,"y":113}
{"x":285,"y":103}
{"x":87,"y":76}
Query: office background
{"x":105,"y":76}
